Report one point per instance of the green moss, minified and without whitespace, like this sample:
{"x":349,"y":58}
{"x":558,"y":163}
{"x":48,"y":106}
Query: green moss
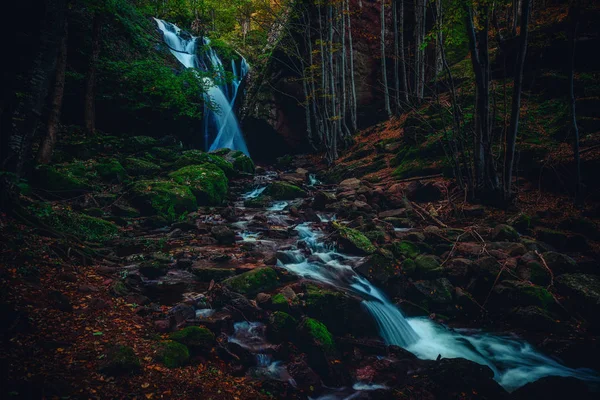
{"x":428,"y":266}
{"x":318,"y":333}
{"x":194,"y":337}
{"x":139,"y":143}
{"x":165,"y":153}
{"x":82,"y":226}
{"x":197,"y":157}
{"x":242,"y":162}
{"x":173,"y":354}
{"x":284,"y":191}
{"x":406,"y":249}
{"x":61,"y":179}
{"x":279,"y":302}
{"x":356,"y":240}
{"x":253,"y":282}
{"x":409,"y":267}
{"x":120,"y":360}
{"x":138,"y":167}
{"x":281,"y":326}
{"x":258,"y":202}
{"x":207,"y":181}
{"x":375,"y":236}
{"x":538,"y":295}
{"x":166,"y":199}
{"x":111,"y":170}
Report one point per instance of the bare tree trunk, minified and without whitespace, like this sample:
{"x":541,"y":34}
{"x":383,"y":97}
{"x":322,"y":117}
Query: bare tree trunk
{"x":402,"y":57}
{"x":344,"y":107}
{"x":28,"y":111}
{"x":420,"y":14}
{"x":511,"y":137}
{"x":90,"y":79}
{"x":396,"y":56}
{"x":386,"y":91}
{"x":440,"y":39}
{"x":335,"y":116}
{"x":49,"y":141}
{"x":353,"y":83}
{"x":574,"y":16}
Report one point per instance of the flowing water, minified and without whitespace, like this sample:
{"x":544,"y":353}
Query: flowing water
{"x":513,"y":361}
{"x":221,"y":127}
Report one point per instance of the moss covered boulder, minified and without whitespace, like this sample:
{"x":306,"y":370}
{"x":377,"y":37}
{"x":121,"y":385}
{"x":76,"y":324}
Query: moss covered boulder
{"x":64,"y":179}
{"x":379,"y":268}
{"x":428,"y":267}
{"x":163,"y":198}
{"x":315,"y":333}
{"x":284,"y":191}
{"x":120,"y":360}
{"x":240,"y":161}
{"x":406,"y":249}
{"x":195,"y":338}
{"x":82,"y":226}
{"x":140,"y":143}
{"x":173,"y":354}
{"x":282,"y":326}
{"x":258,"y":202}
{"x":254,"y":281}
{"x":207,"y":182}
{"x":353,"y":241}
{"x":111,"y":170}
{"x":518,"y":293}
{"x":198,"y":157}
{"x":169,"y":154}
{"x":139,"y":167}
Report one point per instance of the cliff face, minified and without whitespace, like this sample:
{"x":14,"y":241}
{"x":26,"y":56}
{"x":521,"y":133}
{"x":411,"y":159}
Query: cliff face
{"x":273,"y":112}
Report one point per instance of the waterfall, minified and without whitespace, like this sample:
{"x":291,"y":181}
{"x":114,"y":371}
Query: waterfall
{"x":513,"y":361}
{"x":221,"y":127}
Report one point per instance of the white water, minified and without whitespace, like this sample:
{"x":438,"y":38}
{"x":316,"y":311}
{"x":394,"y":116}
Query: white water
{"x":513,"y":361}
{"x":220,"y":122}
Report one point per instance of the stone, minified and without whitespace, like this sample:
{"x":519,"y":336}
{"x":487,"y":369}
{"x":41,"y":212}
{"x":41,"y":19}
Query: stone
{"x":172,"y":354}
{"x":349,"y":184}
{"x":254,"y":281}
{"x":559,"y":263}
{"x":223,"y":234}
{"x":428,"y":267}
{"x":506,"y":233}
{"x":284,"y":191}
{"x":120,"y":360}
{"x":195,"y":338}
{"x":583,"y":289}
{"x":459,"y":271}
{"x":207,"y":182}
{"x":353,"y":241}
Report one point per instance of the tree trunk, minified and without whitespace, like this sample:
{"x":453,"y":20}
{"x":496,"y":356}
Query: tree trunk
{"x":396,"y":57}
{"x":49,"y":141}
{"x":402,"y":57}
{"x":29,"y":110}
{"x":386,"y":91}
{"x":511,"y":137}
{"x":90,"y":79}
{"x":574,"y":16}
{"x":352,"y":82}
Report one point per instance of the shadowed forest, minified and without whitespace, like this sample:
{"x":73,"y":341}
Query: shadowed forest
{"x":300,"y":199}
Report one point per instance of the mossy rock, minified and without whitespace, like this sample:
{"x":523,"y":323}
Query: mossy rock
{"x":240,"y":161}
{"x":281,"y":326}
{"x":284,"y":191}
{"x":140,"y":143}
{"x":169,"y":154}
{"x":173,"y":354}
{"x":163,"y":198}
{"x":254,"y":281}
{"x":316,"y":333}
{"x":65,"y":180}
{"x":379,"y":268}
{"x":279,"y":302}
{"x":207,"y":181}
{"x":120,"y":360}
{"x":258,"y":202}
{"x":138,"y":167}
{"x":197,"y":157}
{"x":353,"y":241}
{"x":517,"y":293}
{"x":205,"y":274}
{"x":194,"y":338}
{"x":428,"y":266}
{"x":153,"y":269}
{"x":111,"y":170}
{"x":506,"y":233}
{"x":85,"y":227}
{"x":406,"y":249}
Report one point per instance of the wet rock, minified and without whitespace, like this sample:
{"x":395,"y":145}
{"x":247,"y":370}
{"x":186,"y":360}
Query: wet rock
{"x":281,"y":327}
{"x":432,"y":294}
{"x":506,"y":233}
{"x":253,"y":282}
{"x":378,"y":268}
{"x":263,"y":298}
{"x":353,"y":241}
{"x":181,"y":313}
{"x":195,"y":338}
{"x":534,"y":318}
{"x":349,"y":184}
{"x":559,"y":263}
{"x":397,"y":213}
{"x":459,"y":271}
{"x":305,"y":377}
{"x":322,"y":199}
{"x":284,"y":191}
{"x":120,"y":360}
{"x":428,"y":266}
{"x":162,"y":326}
{"x":516,"y":293}
{"x":172,"y":354}
{"x":223,"y":234}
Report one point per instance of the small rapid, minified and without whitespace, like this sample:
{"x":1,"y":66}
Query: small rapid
{"x":513,"y":361}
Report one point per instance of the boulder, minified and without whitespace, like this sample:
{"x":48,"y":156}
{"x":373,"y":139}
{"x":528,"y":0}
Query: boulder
{"x":281,"y":327}
{"x":559,"y":263}
{"x":120,"y":360}
{"x":164,"y":198}
{"x":254,"y":281}
{"x":353,"y":241}
{"x":139,"y":167}
{"x":207,"y":182}
{"x":428,"y":267}
{"x":583,"y":290}
{"x":506,"y":233}
{"x":284,"y":191}
{"x":172,"y":354}
{"x":223,"y":234}
{"x":195,"y":338}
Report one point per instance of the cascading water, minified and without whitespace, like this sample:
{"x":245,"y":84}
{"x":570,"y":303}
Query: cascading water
{"x":221,"y":127}
{"x":513,"y":361}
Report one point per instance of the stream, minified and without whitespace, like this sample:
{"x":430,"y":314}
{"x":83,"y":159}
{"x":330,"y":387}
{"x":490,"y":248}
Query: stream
{"x":513,"y":361}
